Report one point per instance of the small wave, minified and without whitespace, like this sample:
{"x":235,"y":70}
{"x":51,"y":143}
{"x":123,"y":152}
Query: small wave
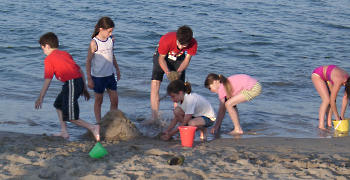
{"x":279,"y":84}
{"x":260,"y":43}
{"x":336,"y":26}
{"x":9,"y":122}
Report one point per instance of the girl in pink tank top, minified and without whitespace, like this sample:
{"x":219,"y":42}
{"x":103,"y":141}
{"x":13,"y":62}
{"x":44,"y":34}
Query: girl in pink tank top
{"x":232,"y":91}
{"x":327,"y":81}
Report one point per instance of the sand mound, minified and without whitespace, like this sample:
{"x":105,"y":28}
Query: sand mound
{"x":115,"y":126}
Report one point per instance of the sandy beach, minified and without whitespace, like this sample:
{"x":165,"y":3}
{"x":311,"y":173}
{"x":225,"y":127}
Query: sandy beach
{"x":26,"y":156}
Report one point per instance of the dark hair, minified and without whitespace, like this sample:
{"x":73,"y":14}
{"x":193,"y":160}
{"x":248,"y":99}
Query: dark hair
{"x":184,"y":35}
{"x":49,"y":38}
{"x":178,"y":85}
{"x":212,"y":77}
{"x":347,"y":87}
{"x":104,"y":23}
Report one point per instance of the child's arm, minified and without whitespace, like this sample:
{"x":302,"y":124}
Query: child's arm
{"x":91,"y":52}
{"x":85,"y":91}
{"x":333,"y":96}
{"x":184,"y":64}
{"x":43,"y":91}
{"x":162,"y":63}
{"x":116,"y":67}
{"x":187,"y":119}
{"x":219,"y":118}
{"x":344,"y":105}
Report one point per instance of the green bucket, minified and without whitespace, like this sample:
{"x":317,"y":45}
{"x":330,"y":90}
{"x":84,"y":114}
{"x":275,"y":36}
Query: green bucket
{"x":98,"y":151}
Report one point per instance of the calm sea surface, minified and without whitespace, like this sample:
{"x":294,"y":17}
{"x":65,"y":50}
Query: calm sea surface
{"x":278,"y":42}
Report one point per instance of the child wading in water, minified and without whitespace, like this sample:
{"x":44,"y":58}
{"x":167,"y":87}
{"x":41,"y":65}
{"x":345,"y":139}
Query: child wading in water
{"x":327,"y":81}
{"x":100,"y":66}
{"x":192,"y":109}
{"x":62,"y":65}
{"x":232,"y":91}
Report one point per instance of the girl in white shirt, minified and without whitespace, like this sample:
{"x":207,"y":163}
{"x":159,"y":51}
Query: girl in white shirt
{"x":192,"y":110}
{"x":101,"y":65}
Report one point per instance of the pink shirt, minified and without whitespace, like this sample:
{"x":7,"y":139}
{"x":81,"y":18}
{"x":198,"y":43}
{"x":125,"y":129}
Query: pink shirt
{"x":238,"y":82}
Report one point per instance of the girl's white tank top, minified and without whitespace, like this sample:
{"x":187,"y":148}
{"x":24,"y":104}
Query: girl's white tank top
{"x":102,"y":61}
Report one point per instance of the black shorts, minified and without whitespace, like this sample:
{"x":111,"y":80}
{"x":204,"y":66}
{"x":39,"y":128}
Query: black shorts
{"x":67,"y":99}
{"x":158,"y":73}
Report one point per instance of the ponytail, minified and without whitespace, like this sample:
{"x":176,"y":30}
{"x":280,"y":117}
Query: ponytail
{"x":212,"y":77}
{"x":104,"y":23}
{"x":178,"y":85}
{"x":188,"y":88}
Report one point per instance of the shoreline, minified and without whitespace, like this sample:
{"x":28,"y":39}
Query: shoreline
{"x":25,"y":156}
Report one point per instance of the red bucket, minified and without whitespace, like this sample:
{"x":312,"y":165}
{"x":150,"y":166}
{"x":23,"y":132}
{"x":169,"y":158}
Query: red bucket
{"x":187,"y":135}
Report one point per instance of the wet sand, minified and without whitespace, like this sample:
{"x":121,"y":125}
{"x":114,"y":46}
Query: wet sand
{"x":24,"y":156}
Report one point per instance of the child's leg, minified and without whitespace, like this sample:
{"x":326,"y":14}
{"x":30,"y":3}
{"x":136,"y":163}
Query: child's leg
{"x":154,"y":98}
{"x":97,"y":106}
{"x":322,"y":90}
{"x":64,"y":132}
{"x":113,"y":97}
{"x":199,"y":122}
{"x":232,"y":111}
{"x":329,"y":116}
{"x":93,"y":128}
{"x":178,"y":117}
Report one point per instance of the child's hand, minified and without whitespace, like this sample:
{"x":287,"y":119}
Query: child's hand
{"x":165,"y":137}
{"x":214,"y":130}
{"x":86,"y":94}
{"x":90,"y":84}
{"x":38,"y":103}
{"x":118,"y":76}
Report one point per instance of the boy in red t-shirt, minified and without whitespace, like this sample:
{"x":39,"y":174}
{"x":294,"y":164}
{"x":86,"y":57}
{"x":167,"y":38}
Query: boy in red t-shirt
{"x":62,"y":65}
{"x":171,"y":55}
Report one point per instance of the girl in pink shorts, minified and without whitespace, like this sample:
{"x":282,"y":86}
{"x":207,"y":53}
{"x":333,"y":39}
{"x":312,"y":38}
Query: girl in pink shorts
{"x":233,"y":90}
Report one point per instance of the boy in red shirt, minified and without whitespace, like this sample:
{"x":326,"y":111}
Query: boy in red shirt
{"x":171,"y":56}
{"x":62,"y":65}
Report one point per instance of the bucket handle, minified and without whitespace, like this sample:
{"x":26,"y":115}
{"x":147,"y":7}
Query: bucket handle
{"x":338,"y":124}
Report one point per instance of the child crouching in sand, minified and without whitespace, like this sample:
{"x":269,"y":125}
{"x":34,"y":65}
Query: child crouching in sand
{"x":233,"y":90}
{"x":62,"y":65}
{"x":192,"y":110}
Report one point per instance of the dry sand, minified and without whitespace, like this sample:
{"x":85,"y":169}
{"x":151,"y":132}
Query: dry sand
{"x":25,"y":156}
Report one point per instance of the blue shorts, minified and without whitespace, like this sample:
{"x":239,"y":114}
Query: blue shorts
{"x":208,"y":122}
{"x":102,"y":83}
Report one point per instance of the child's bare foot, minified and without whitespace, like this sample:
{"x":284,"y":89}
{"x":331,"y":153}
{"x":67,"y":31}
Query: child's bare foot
{"x":203,"y":135}
{"x":96,"y":132}
{"x":64,"y":135}
{"x":321,"y":127}
{"x":203,"y":139}
{"x":236,"y":132}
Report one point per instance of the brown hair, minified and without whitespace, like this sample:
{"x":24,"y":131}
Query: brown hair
{"x":178,"y":85}
{"x":49,"y":38}
{"x":212,"y":77}
{"x":104,"y":23}
{"x":184,"y":35}
{"x":347,"y":87}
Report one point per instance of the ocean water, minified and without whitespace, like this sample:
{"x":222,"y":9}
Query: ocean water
{"x":278,"y":42}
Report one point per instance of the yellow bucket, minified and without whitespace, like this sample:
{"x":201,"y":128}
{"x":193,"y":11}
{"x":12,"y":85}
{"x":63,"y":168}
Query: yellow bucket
{"x":341,"y":125}
{"x":340,"y":134}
